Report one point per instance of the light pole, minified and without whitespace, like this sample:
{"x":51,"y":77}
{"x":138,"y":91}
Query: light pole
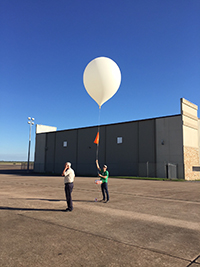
{"x":30,"y":122}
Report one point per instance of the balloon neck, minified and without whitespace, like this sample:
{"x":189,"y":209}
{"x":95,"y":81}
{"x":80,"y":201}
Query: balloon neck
{"x":99,"y":107}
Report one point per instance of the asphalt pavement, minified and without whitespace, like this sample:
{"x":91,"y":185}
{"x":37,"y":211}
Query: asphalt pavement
{"x":146,"y":223}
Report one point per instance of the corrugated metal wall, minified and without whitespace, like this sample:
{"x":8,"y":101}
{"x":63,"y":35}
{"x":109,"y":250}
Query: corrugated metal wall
{"x":138,"y":152}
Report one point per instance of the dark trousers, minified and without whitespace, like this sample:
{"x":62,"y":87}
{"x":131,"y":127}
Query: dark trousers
{"x":68,"y":191}
{"x":104,"y":189}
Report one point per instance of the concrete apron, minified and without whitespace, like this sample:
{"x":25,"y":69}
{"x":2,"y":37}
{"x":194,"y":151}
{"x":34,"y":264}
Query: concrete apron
{"x":146,"y":223}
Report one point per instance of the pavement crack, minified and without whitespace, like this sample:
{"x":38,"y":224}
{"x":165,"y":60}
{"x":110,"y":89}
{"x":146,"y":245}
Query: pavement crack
{"x":194,"y":261}
{"x":109,"y":239}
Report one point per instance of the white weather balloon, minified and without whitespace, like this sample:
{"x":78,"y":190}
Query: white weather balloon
{"x":101,"y":78}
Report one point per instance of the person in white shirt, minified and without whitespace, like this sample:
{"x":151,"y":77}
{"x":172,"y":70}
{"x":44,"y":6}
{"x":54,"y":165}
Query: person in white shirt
{"x":69,"y":174}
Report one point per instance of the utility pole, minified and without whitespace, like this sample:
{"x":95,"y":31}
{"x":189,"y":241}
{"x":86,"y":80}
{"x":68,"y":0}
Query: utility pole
{"x":30,"y":122}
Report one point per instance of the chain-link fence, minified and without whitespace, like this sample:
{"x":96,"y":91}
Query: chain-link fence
{"x":144,"y":169}
{"x":160,"y":170}
{"x":16,"y":166}
{"x":24,"y":165}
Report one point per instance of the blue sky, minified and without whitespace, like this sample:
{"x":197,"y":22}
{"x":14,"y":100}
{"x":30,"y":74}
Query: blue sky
{"x":46,"y":45}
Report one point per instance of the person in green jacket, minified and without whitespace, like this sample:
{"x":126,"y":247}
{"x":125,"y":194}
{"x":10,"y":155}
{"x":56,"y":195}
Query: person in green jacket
{"x":104,"y":178}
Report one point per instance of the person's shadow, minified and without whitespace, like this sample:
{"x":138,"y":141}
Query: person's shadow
{"x":28,"y":209}
{"x":40,"y":209}
{"x":56,"y":200}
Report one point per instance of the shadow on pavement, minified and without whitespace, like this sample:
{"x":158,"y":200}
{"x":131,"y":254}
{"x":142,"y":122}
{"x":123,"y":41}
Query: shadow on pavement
{"x":29,"y":209}
{"x":44,"y":199}
{"x":56,"y":200}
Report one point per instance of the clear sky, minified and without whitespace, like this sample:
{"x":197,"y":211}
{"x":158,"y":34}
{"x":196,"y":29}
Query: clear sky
{"x":45,"y":46}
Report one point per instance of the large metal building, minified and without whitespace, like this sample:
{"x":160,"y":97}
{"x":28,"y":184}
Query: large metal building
{"x":164,"y":147}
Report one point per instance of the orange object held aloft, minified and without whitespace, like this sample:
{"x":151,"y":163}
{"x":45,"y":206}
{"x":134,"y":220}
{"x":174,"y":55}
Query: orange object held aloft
{"x":96,"y":141}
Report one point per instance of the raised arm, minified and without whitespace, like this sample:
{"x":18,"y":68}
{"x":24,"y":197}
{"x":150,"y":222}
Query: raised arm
{"x":97,"y":163}
{"x":63,"y":173}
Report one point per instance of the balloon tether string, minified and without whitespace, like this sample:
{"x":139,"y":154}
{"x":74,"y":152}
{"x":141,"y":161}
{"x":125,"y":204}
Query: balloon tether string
{"x":97,"y":151}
